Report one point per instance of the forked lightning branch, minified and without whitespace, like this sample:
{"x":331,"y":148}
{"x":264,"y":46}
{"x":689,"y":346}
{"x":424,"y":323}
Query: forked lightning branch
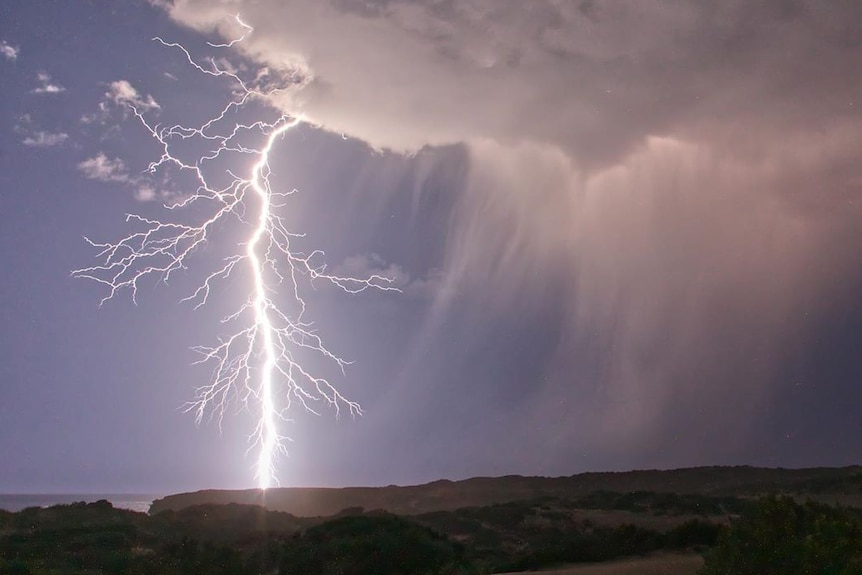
{"x":258,"y":363}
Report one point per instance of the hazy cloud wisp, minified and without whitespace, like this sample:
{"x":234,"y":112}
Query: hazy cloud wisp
{"x":9,"y":51}
{"x":46,"y":86}
{"x":45,"y":139}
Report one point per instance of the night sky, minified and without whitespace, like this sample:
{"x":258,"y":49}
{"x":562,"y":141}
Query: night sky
{"x":627,"y":235}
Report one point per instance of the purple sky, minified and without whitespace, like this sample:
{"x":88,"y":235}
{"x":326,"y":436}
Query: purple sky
{"x":628,"y":234}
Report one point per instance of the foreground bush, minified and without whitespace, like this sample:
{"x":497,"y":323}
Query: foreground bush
{"x":777,"y":536}
{"x":371,"y":545}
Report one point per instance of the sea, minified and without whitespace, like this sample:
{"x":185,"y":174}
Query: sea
{"x":139,"y":502}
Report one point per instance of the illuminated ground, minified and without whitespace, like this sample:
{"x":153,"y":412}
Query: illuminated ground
{"x":655,"y":565}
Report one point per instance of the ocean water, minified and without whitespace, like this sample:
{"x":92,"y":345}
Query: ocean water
{"x":139,"y":502}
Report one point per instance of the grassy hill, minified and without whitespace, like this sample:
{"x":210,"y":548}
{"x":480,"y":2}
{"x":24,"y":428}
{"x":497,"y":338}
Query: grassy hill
{"x":843,"y":485}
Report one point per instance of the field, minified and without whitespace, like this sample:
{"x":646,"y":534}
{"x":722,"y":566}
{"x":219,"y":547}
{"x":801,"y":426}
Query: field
{"x":664,"y":564}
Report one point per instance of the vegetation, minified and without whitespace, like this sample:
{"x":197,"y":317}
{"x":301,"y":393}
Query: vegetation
{"x":95,"y":538}
{"x":382,"y":545}
{"x":768,"y":536}
{"x":215,"y":539}
{"x":662,"y":503}
{"x":778,"y":536}
{"x":544,"y":532}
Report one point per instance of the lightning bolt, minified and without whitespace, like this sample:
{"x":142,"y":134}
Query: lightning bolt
{"x":257,"y":365}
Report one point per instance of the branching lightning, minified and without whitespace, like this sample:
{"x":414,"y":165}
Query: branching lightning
{"x":258,"y":364}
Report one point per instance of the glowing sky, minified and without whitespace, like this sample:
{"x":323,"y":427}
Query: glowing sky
{"x":628,"y":234}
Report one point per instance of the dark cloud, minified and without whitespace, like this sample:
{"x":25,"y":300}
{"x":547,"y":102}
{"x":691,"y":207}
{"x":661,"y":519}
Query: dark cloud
{"x":679,"y":180}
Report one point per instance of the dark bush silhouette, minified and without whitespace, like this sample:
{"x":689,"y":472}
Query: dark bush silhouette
{"x":780,"y":537}
{"x":370,"y":545}
{"x":694,"y":533}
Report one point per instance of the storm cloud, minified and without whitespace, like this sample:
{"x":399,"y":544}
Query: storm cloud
{"x":677,"y":182}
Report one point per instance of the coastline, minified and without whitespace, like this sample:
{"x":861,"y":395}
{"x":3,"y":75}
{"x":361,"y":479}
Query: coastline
{"x":139,"y":502}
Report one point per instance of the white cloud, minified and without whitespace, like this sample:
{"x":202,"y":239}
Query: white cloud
{"x":114,"y":170}
{"x":45,"y":139}
{"x":122,"y":93}
{"x":8,"y":51}
{"x":36,"y":138}
{"x":594,"y":79}
{"x":146,"y":193}
{"x":104,"y":169}
{"x":46,"y":85}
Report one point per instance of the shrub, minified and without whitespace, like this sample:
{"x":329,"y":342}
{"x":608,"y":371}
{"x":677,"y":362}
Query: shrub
{"x":777,"y":536}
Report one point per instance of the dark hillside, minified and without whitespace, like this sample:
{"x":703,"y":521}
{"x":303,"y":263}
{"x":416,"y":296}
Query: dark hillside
{"x":838,"y":484}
